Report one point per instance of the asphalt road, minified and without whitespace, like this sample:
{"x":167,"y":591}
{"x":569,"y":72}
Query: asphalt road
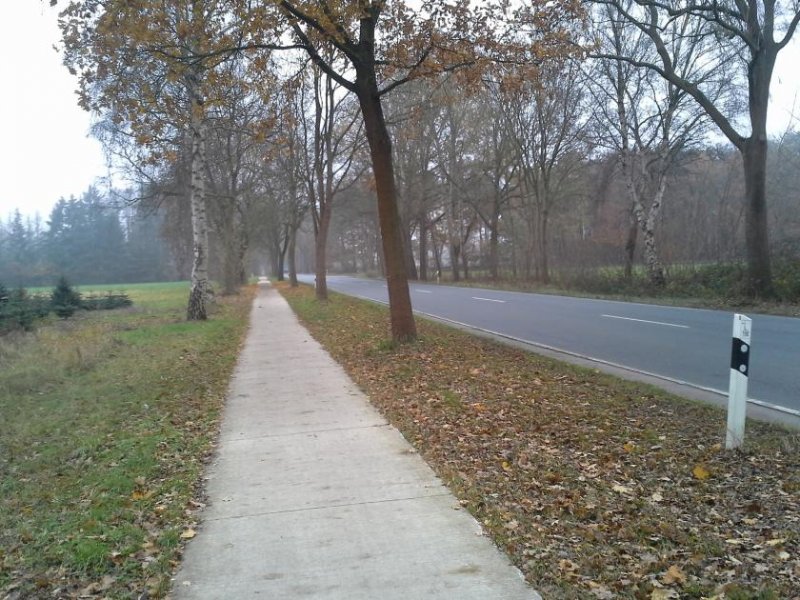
{"x":684,"y":344}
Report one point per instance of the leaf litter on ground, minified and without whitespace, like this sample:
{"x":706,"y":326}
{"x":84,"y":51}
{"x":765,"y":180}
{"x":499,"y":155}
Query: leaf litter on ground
{"x":594,"y":486}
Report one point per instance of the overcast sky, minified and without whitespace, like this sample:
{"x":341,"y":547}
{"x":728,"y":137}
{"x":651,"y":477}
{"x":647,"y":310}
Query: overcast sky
{"x":44,"y":149}
{"x":45,"y":152}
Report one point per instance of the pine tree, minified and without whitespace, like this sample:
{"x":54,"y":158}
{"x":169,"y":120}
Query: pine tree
{"x":64,"y":299}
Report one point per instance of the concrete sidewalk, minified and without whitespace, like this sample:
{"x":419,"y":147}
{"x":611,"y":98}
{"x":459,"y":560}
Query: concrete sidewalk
{"x":313,"y":494}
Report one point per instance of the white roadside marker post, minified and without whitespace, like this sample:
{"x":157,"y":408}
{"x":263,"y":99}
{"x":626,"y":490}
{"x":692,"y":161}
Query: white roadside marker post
{"x":740,"y":372}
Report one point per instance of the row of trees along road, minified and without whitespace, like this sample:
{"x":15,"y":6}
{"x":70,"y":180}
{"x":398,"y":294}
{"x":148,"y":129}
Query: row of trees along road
{"x":496,"y":112}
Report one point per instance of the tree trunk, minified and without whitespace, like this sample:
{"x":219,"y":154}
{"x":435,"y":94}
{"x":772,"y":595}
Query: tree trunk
{"x":423,"y":248}
{"x":655,"y":270}
{"x":494,"y":246}
{"x":408,"y":248}
{"x":759,"y":269}
{"x":320,"y":252}
{"x":275,"y":259}
{"x":455,"y":256}
{"x":437,"y":257}
{"x":231,"y":263}
{"x":402,"y":317}
{"x":281,"y":265}
{"x":647,"y":222}
{"x":630,"y":245}
{"x":231,"y":269}
{"x":198,"y":295}
{"x":530,"y":261}
{"x":244,"y":244}
{"x":544,"y":266}
{"x":293,"y":257}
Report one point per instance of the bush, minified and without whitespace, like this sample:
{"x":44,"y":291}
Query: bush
{"x":786,"y":273}
{"x":64,"y":300}
{"x":108,"y":301}
{"x":726,"y":283}
{"x":19,"y":310}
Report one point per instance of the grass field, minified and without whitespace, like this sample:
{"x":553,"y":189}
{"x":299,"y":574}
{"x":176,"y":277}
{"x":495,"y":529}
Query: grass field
{"x":595,"y":487}
{"x":106,"y":421}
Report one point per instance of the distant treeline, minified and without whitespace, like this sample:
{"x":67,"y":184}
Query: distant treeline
{"x":86,"y":240}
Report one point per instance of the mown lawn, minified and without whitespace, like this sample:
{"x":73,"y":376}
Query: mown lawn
{"x":595,"y":487}
{"x":105,"y":422}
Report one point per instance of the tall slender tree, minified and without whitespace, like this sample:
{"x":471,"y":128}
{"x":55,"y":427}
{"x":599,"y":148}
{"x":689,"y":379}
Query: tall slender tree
{"x":646,"y":121}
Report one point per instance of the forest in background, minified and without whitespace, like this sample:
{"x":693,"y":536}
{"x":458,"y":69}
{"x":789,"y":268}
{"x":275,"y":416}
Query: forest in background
{"x":88,"y":240}
{"x":472,"y":200}
{"x":593,"y":239}
{"x":611,"y":144}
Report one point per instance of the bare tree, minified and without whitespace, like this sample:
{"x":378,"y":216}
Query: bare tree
{"x":331,"y":137}
{"x":499,"y":169}
{"x":241,"y":135}
{"x":547,"y":125}
{"x":646,"y":120}
{"x":389,"y":43}
{"x":732,"y":34}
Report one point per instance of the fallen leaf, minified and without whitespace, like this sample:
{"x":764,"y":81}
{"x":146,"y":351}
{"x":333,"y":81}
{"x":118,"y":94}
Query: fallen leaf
{"x":663,"y":594}
{"x":188,"y":534}
{"x":621,"y":489}
{"x":139,"y":495}
{"x":701,"y":473}
{"x":657,"y":497}
{"x":673,"y":575}
{"x":629,"y":447}
{"x":776,"y":542}
{"x":567,"y":565}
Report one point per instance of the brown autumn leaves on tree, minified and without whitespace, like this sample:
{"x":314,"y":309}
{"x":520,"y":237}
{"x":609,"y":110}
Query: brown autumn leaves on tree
{"x":388,"y":44}
{"x":151,"y":64}
{"x":150,"y":69}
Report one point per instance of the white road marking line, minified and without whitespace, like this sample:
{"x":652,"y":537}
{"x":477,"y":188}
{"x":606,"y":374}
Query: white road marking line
{"x":645,"y":321}
{"x":488,"y":299}
{"x":423,"y":291}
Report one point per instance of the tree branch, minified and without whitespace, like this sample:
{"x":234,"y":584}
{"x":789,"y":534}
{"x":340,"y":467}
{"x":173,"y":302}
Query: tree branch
{"x":308,"y":46}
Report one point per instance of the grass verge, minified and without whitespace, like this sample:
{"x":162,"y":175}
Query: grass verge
{"x":106,"y":421}
{"x":665,"y":298}
{"x":594,"y":486}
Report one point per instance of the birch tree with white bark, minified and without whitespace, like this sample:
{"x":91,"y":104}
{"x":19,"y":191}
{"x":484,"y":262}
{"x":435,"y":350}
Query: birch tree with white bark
{"x":647,"y":121}
{"x":150,"y":66}
{"x":740,"y":41}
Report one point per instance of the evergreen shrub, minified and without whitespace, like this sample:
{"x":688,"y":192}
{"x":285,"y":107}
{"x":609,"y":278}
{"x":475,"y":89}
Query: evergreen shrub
{"x":108,"y":301}
{"x":64,"y":300}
